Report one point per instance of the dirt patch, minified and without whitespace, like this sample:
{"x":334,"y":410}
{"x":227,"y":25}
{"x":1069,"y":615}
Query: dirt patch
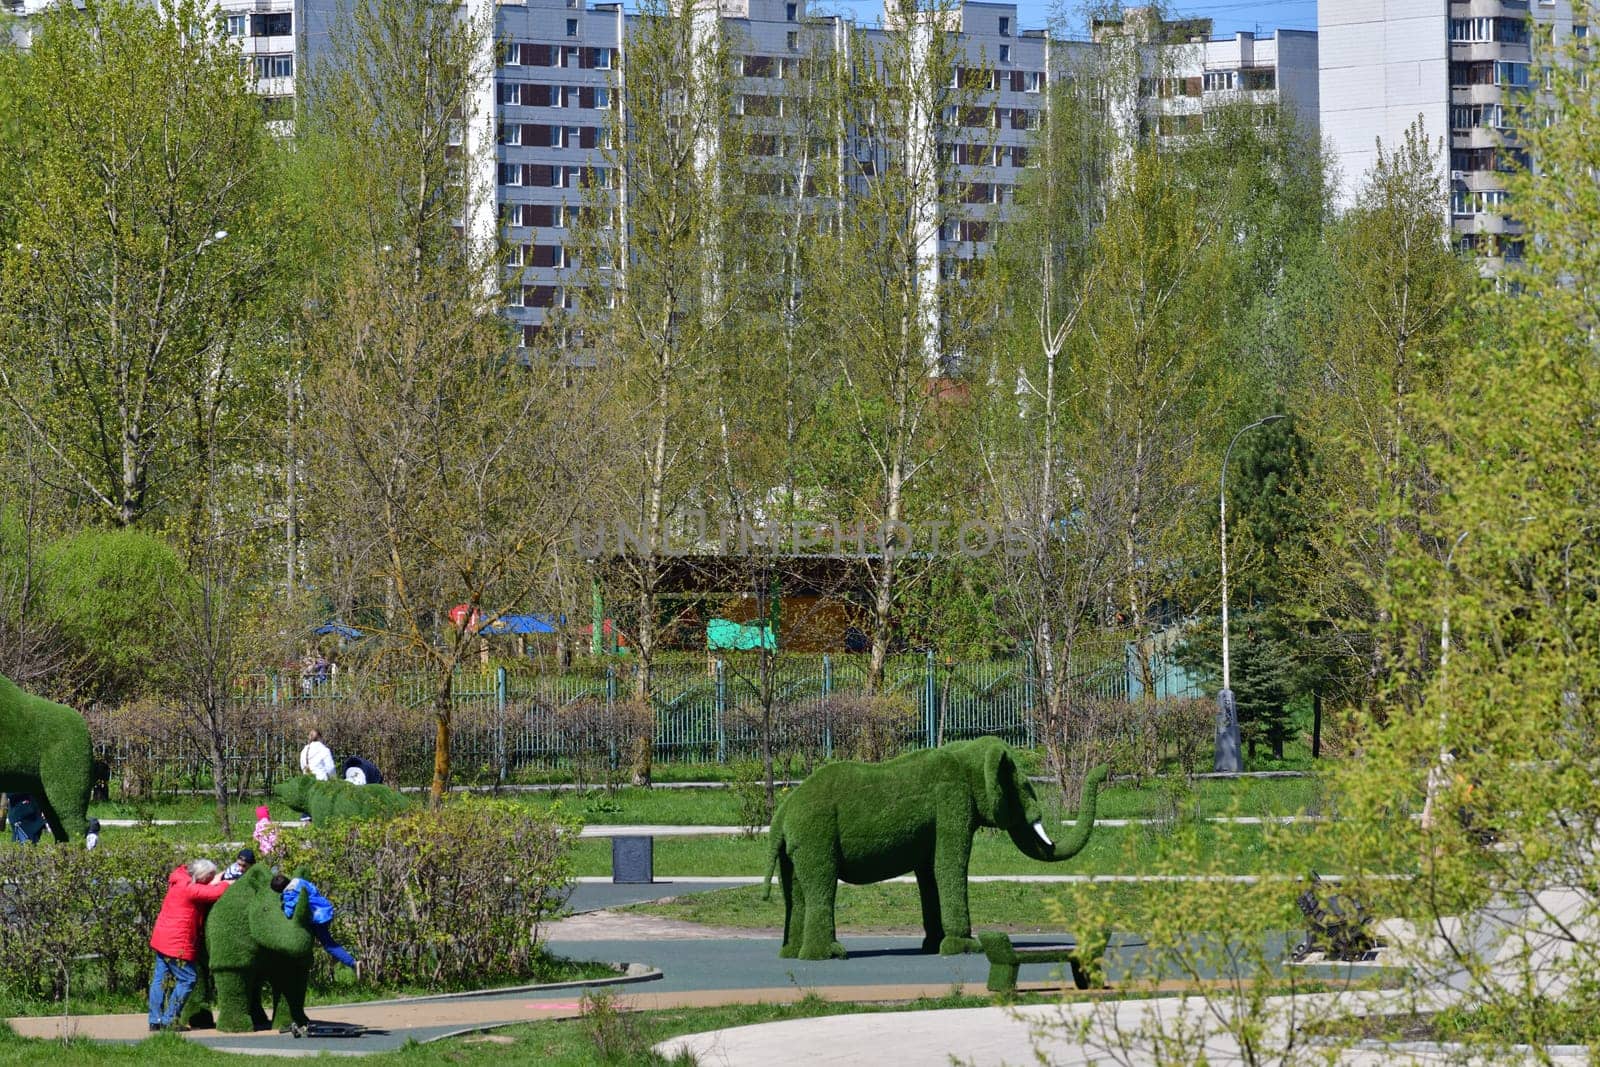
{"x":623,"y":926}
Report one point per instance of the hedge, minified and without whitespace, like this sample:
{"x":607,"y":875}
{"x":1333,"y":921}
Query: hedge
{"x":447,"y":899}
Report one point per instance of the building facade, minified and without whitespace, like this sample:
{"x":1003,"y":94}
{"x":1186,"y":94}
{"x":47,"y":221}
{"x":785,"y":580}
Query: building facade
{"x":1462,"y":68}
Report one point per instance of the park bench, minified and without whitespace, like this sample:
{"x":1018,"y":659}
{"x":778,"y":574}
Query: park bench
{"x":1086,"y":960}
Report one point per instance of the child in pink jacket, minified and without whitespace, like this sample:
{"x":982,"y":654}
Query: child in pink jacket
{"x":266,"y":836}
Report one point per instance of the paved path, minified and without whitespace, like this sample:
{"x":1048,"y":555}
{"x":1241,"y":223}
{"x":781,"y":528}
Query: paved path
{"x":989,"y":1037}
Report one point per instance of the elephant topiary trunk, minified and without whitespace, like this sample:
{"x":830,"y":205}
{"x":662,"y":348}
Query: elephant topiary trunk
{"x":45,"y":751}
{"x":860,"y":823}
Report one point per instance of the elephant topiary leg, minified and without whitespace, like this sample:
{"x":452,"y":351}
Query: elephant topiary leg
{"x":793,"y":909}
{"x":238,"y":1002}
{"x":64,"y":772}
{"x":932,"y":918}
{"x":289,"y":991}
{"x":952,"y":854}
{"x":819,"y":885}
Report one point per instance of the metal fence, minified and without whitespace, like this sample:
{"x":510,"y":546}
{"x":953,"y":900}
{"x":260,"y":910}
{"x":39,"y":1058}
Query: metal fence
{"x":507,"y":723}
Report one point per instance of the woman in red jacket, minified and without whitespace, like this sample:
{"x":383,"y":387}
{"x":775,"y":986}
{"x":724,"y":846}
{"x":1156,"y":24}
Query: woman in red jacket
{"x":191,"y":889}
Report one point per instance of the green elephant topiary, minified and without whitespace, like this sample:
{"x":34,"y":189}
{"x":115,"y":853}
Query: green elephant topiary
{"x":864,"y":822}
{"x":249,"y":942}
{"x":45,"y":751}
{"x":329,"y":801}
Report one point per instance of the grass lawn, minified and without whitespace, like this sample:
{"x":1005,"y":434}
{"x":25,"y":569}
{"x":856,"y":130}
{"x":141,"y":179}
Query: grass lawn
{"x":720,"y":807}
{"x":893,"y":908}
{"x":603,"y":1036}
{"x":89,"y":996}
{"x":1111,"y":850}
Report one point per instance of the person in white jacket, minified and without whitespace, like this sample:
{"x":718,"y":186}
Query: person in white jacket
{"x":316,"y":759}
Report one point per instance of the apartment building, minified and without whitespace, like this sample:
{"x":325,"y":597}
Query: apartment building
{"x":1463,"y":67}
{"x":561,"y":62}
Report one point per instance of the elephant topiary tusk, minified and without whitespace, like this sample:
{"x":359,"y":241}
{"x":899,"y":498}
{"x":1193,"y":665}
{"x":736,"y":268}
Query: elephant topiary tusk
{"x":1038,"y":828}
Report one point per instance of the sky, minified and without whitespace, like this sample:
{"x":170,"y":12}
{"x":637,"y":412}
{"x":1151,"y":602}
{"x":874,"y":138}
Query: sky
{"x":1229,"y":15}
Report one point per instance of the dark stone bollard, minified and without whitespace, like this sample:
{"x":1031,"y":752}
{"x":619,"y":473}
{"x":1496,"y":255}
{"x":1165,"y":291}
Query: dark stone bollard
{"x":632,"y":860}
{"x":1228,"y":759}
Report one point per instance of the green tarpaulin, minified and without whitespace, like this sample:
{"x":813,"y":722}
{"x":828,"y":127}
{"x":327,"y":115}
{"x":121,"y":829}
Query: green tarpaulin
{"x":738,"y":636}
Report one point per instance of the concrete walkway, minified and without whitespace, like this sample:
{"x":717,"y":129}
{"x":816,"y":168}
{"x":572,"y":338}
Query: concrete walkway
{"x":1111,"y":1032}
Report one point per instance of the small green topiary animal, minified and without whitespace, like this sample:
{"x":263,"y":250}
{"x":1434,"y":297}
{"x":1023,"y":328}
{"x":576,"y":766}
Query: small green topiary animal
{"x":249,"y":942}
{"x":326,"y":802}
{"x":865,"y":822}
{"x":45,"y":751}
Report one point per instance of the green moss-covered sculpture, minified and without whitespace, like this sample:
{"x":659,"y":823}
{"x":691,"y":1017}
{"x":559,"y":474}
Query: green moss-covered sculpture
{"x":249,"y":942}
{"x":45,"y":751}
{"x":326,"y":802}
{"x":864,"y":822}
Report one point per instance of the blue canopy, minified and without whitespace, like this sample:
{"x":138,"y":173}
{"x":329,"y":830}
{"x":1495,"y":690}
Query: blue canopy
{"x":521,"y":624}
{"x":349,"y":633}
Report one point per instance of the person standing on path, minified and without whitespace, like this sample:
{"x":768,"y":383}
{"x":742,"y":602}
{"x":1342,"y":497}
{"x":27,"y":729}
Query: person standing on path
{"x":191,"y":890}
{"x":316,"y":759}
{"x":27,"y":821}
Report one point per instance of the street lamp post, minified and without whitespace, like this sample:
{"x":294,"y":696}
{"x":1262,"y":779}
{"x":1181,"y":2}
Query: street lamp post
{"x":1228,"y":758}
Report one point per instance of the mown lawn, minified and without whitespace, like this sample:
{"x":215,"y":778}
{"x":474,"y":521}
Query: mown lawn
{"x":1230,"y":849}
{"x":604,"y":1035}
{"x":721,"y":807}
{"x":894,"y":908}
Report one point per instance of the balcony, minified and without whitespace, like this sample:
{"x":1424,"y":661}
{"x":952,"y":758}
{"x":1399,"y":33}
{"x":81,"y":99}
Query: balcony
{"x":1487,"y":51}
{"x":1476,"y":94}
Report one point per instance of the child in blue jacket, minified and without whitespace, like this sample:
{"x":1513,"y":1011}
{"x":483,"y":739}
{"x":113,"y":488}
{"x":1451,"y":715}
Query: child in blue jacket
{"x":321,"y":915}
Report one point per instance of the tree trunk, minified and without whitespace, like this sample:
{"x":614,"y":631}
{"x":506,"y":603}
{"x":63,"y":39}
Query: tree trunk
{"x":219,"y":775}
{"x":441,"y":742}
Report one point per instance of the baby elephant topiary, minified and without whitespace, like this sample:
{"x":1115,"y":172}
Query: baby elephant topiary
{"x":248,"y":942}
{"x":328,"y":801}
{"x":45,"y":751}
{"x":861,"y":822}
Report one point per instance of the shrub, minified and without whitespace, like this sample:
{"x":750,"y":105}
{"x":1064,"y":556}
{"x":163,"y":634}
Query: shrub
{"x":57,"y":904}
{"x":439,"y":899}
{"x":600,"y":738}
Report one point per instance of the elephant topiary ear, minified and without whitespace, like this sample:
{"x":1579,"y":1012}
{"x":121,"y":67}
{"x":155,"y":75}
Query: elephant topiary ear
{"x":997,"y":771}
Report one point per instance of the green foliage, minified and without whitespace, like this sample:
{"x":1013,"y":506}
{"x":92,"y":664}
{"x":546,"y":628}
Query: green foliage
{"x":915,"y":814}
{"x":45,"y":751}
{"x":112,"y":594}
{"x":446,"y":899}
{"x":133,"y":357}
{"x":60,"y":899}
{"x":338,"y":799}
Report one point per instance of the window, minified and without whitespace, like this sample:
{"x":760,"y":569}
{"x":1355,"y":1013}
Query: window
{"x":1253,"y":81}
{"x":1005,"y":26}
{"x":791,"y":11}
{"x":514,"y":296}
{"x":602,"y":97}
{"x":1034,"y":83}
{"x":276,"y":24}
{"x":274,"y":66}
{"x":516,"y":255}
{"x":513,"y":56}
{"x":602,"y":58}
{"x":1218,"y":81}
{"x":236,"y":25}
{"x":1580,"y":31}
{"x":1005,"y":53}
{"x":572,"y":27}
{"x":511,"y":134}
{"x":511,"y":174}
{"x":792,"y":39}
{"x":571,"y":137}
{"x":1513,"y":75}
